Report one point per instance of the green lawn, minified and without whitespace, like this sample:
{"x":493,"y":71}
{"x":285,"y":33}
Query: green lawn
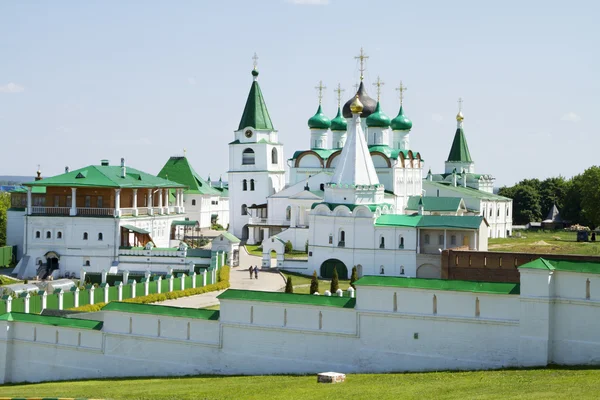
{"x":552,"y":383}
{"x":256,"y":250}
{"x":545,"y":242}
{"x":302,"y":283}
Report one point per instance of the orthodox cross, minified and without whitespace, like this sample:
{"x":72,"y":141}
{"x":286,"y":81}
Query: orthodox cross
{"x":460,"y":101}
{"x":378,"y":84}
{"x":184,"y":152}
{"x":255,"y":60}
{"x":320,"y":89}
{"x":362,"y":57}
{"x":401,"y":89}
{"x":356,"y":85}
{"x":339,"y":91}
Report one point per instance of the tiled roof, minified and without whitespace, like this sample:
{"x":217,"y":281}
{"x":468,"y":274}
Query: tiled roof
{"x":290,"y":298}
{"x":152,"y":309}
{"x":440,"y":284}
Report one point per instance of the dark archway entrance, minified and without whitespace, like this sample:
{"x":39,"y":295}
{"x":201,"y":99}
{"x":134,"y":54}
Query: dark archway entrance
{"x":328,"y":266}
{"x":245,"y":233}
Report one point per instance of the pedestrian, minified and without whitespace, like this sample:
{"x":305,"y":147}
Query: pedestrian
{"x":251,"y":269}
{"x":256,"y":272}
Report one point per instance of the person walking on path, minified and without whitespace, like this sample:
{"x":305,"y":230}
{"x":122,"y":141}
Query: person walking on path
{"x":256,"y":272}
{"x":251,"y":269}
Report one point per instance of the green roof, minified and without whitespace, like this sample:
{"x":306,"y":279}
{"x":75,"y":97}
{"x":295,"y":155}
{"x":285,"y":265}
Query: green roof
{"x":135,"y":229}
{"x":134,"y":308}
{"x":323,"y":153}
{"x":34,"y":190}
{"x":106,"y":176}
{"x":434,"y":203}
{"x":339,"y":122}
{"x":184,"y":223}
{"x":393,"y":153}
{"x":378,"y":118}
{"x":319,"y":120}
{"x":289,"y":298}
{"x":54,"y":321}
{"x":440,"y":284}
{"x":178,"y":169}
{"x":459,"y":152}
{"x":564,"y":265}
{"x":230,"y":237}
{"x":255,"y":113}
{"x":430,"y":221}
{"x":332,"y":206}
{"x":466,"y":191}
{"x":401,"y":122}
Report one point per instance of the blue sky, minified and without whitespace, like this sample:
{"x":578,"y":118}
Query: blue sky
{"x":86,"y":80}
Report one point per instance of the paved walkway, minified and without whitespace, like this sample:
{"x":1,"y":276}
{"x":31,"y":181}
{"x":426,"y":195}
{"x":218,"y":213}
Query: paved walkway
{"x":267,"y":281}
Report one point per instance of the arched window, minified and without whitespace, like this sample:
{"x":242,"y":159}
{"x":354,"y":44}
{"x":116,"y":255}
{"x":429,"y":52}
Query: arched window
{"x":381,"y":270}
{"x":48,"y":235}
{"x":248,"y":157}
{"x":100,"y":236}
{"x":330,"y":239}
{"x":85,"y":236}
{"x":427,"y":239}
{"x":244,"y":185}
{"x":401,"y":270}
{"x":441,"y":240}
{"x":193,"y":202}
{"x":59,"y":235}
{"x":401,"y":242}
{"x":498,"y":214}
{"x":322,"y":187}
{"x":274,"y":156}
{"x":244,"y":209}
{"x":87,"y":263}
{"x":382,"y":243}
{"x":251,"y":184}
{"x":38,"y":234}
{"x":288,"y":213}
{"x":342,"y":239}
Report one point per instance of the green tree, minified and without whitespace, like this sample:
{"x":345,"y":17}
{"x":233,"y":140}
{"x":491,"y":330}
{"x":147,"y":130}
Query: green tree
{"x":571,"y":210}
{"x":590,"y":192}
{"x":335,"y":282}
{"x":289,"y":288}
{"x":354,"y":277}
{"x":4,"y":205}
{"x":553,"y":191}
{"x":526,"y":205}
{"x":314,"y":283}
{"x":288,"y":247}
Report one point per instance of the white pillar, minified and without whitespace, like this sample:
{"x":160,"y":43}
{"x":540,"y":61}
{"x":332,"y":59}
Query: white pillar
{"x":166,"y":200}
{"x":29,"y":201}
{"x":150,"y":212}
{"x":135,"y":201}
{"x":73,"y":211}
{"x":445,"y":239}
{"x":133,"y":289}
{"x":204,"y":278}
{"x":418,"y":241}
{"x":171,"y":283}
{"x":44,"y":295}
{"x":194,"y":279}
{"x":103,"y":274}
{"x":293,"y":213}
{"x":27,"y":297}
{"x":120,"y":291}
{"x":160,"y":202}
{"x":146,"y":286}
{"x":125,"y":277}
{"x":92,"y":288}
{"x":158,"y":285}
{"x":60,"y":299}
{"x":117,"y":202}
{"x":106,"y":286}
{"x":182,"y":282}
{"x":8,"y":304}
{"x":76,"y":296}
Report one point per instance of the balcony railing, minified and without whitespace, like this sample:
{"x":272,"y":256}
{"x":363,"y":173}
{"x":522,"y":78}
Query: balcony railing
{"x":85,"y":211}
{"x":50,"y":210}
{"x":96,"y":212}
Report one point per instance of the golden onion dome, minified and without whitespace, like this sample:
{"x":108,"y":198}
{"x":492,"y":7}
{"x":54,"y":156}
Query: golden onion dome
{"x":459,"y":116}
{"x":356,"y":107}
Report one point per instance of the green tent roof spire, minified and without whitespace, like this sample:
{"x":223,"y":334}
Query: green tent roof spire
{"x":459,"y":152}
{"x":255,"y":113}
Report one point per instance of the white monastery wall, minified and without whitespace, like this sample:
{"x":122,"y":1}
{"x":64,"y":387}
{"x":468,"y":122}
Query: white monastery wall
{"x":15,"y":231}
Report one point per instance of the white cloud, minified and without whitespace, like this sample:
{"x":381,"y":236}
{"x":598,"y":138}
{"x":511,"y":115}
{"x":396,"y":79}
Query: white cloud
{"x":11,"y":87}
{"x":309,"y":2}
{"x":191,"y":81}
{"x":572,"y":117}
{"x":437,"y":117}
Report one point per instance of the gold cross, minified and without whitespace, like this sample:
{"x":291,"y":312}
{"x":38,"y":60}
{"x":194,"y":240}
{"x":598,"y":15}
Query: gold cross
{"x":339,"y":91}
{"x":379,"y":84}
{"x":362,"y":57}
{"x":255,"y":60}
{"x":460,"y":101}
{"x":401,"y":89}
{"x":356,"y":85}
{"x":320,"y":89}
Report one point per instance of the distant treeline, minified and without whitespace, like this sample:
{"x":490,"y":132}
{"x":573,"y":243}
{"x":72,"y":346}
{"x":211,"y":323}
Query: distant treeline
{"x":578,"y":199}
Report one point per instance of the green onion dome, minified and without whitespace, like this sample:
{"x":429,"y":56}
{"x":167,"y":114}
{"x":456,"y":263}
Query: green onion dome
{"x":378,"y":118}
{"x":401,"y":123}
{"x":339,"y":123}
{"x":319,"y":120}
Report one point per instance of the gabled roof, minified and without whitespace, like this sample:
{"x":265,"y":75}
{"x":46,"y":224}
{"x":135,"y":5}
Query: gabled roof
{"x":230,"y":237}
{"x":589,"y":267}
{"x":255,"y":113}
{"x":465,"y":191}
{"x":178,"y":169}
{"x":553,"y":215}
{"x":108,"y":176}
{"x":459,"y":152}
{"x":430,"y":221}
{"x":433,"y":204}
{"x":440,"y":284}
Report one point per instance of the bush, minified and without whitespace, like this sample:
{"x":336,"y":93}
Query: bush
{"x":354,"y":277}
{"x":89,"y":307}
{"x":217,"y":227}
{"x":289,"y":288}
{"x":314,"y":283}
{"x":223,"y":273}
{"x":288,"y":247}
{"x":335,"y":282}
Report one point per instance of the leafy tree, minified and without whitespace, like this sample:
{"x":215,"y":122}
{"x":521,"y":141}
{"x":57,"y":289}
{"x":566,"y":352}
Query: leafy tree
{"x":571,"y":210}
{"x":526,"y":205}
{"x":335,"y":282}
{"x":4,"y":205}
{"x":590,"y":191}
{"x":553,"y":191}
{"x":288,"y":247}
{"x":354,"y":277}
{"x":314,"y":283}
{"x":289,"y":288}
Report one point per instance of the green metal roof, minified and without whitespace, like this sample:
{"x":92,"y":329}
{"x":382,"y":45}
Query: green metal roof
{"x":564,"y":265}
{"x":134,"y":308}
{"x":178,"y":169}
{"x":319,"y":120}
{"x":459,"y":151}
{"x":398,"y":220}
{"x":401,"y":122}
{"x":378,"y":118}
{"x":54,"y":321}
{"x":393,"y":153}
{"x":440,"y":284}
{"x":255,"y":113}
{"x":323,"y":153}
{"x":184,"y":223}
{"x":434,"y":203}
{"x":135,"y":229}
{"x":34,"y":190}
{"x":339,"y":122}
{"x":430,"y":221}
{"x":106,"y":176}
{"x":332,"y":206}
{"x":230,"y":237}
{"x":467,"y":191}
{"x":289,"y":298}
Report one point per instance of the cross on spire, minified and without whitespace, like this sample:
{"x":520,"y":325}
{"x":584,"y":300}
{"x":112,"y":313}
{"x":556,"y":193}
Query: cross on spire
{"x":184,"y":151}
{"x":378,"y":84}
{"x":401,"y":89}
{"x":362,"y":57}
{"x":339,"y":91}
{"x":320,"y":89}
{"x":460,"y":101}
{"x":356,"y":85}
{"x":255,"y":60}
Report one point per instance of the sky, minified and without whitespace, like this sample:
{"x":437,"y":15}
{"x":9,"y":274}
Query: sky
{"x":82,"y":81}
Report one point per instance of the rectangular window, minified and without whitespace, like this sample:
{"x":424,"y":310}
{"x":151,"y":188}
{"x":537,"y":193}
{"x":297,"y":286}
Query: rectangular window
{"x":453,"y":240}
{"x":69,"y":202}
{"x":99,"y":202}
{"x":56,"y":201}
{"x":88,"y":201}
{"x":441,"y":240}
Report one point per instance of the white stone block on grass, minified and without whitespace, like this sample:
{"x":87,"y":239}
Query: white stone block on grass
{"x":330,"y":377}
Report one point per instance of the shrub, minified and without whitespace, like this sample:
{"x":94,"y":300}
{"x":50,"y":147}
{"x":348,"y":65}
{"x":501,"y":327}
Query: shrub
{"x":288,"y":247}
{"x":89,"y":307}
{"x":223,"y":273}
{"x":335,"y":283}
{"x":289,"y":288}
{"x":354,"y":277}
{"x":314,"y":283}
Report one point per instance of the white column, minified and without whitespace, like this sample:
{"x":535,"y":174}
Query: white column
{"x":166,"y":200}
{"x":180,"y":200}
{"x":445,"y":240}
{"x":150,"y":212}
{"x":29,"y":201}
{"x":135,"y":209}
{"x":117,"y":202}
{"x":73,"y":202}
{"x":160,"y":202}
{"x":475,"y":244}
{"x":293,"y":213}
{"x":418,"y":244}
